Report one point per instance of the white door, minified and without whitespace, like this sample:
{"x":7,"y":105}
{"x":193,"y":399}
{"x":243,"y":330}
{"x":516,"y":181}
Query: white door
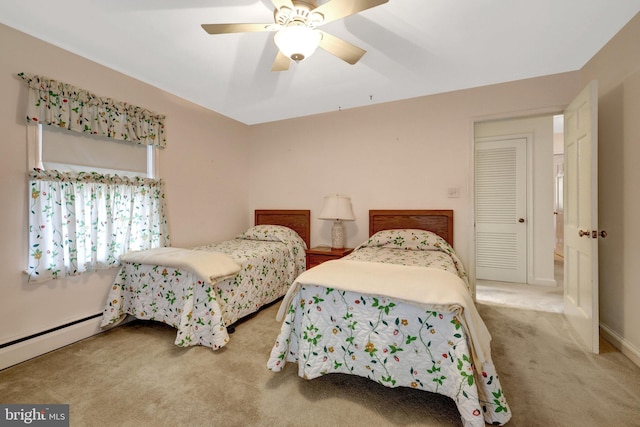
{"x":581,"y":216}
{"x":501,"y":206}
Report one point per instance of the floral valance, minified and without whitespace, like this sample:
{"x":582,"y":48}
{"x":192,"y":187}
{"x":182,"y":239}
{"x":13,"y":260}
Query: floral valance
{"x":60,"y":104}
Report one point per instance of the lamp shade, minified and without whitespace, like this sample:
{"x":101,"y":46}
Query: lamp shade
{"x":297,"y":41}
{"x":337,"y":207}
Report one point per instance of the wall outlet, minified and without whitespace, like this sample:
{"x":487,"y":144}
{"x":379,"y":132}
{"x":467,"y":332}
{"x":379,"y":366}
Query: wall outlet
{"x":453,"y":192}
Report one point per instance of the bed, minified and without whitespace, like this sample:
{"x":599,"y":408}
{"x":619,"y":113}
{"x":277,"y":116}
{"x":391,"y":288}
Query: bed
{"x":204,"y":291}
{"x":397,"y":310}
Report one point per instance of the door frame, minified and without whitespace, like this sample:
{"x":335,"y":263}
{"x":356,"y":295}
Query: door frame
{"x":547,"y":111}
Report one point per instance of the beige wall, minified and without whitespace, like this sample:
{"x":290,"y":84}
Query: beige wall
{"x":204,"y":167}
{"x":398,"y":155}
{"x":617,"y":69}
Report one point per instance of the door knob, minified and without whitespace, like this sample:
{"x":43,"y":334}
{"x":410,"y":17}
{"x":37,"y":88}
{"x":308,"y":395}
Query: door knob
{"x":583,"y":233}
{"x":521,"y":220}
{"x":603,"y":234}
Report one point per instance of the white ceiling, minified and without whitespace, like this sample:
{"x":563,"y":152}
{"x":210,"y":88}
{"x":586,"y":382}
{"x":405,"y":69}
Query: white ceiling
{"x":414,"y":48}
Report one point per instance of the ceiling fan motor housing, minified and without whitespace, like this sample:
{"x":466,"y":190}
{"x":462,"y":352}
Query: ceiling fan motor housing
{"x":301,"y":14}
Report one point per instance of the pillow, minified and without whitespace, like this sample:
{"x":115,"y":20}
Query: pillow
{"x":410,"y":239}
{"x":272,"y":233}
{"x":415,"y":240}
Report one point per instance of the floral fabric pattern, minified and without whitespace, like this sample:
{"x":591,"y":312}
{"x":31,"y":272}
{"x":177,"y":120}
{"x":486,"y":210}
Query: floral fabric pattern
{"x":199,"y":311}
{"x":277,"y":233}
{"x":84,"y":221}
{"x":273,"y":233}
{"x":60,"y":104}
{"x":412,"y":247}
{"x":391,"y":342}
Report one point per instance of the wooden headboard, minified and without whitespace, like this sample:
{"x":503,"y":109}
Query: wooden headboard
{"x":437,"y":221}
{"x":298,"y":220}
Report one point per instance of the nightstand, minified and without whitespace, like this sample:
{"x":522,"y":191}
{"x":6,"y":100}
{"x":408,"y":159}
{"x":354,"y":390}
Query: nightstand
{"x":320,"y":254}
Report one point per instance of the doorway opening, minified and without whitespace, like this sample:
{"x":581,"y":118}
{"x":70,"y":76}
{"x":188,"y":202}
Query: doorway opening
{"x":542,"y":287}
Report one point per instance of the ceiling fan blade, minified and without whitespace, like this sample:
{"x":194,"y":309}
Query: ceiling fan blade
{"x":340,"y":48}
{"x":281,"y":63}
{"x":338,"y":9}
{"x":236,"y":28}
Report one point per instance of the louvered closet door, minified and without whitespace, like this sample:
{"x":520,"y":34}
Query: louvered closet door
{"x":501,"y":223}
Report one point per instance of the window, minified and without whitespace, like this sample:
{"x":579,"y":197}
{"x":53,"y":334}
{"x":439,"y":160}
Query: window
{"x":92,"y":192}
{"x":91,"y":200}
{"x":66,"y":151}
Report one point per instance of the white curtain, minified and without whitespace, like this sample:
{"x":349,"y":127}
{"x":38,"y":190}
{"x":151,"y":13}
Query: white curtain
{"x":84,"y":221}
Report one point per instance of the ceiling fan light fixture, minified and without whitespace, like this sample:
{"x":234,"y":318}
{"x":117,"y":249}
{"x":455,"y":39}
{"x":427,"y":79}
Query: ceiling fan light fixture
{"x":298,"y":41}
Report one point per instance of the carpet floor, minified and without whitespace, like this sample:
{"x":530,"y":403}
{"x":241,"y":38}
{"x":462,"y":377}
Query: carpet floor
{"x":522,"y":295}
{"x":134,"y":375}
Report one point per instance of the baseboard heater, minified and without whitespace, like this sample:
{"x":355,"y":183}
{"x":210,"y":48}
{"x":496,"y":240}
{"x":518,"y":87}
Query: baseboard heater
{"x":48,"y":331}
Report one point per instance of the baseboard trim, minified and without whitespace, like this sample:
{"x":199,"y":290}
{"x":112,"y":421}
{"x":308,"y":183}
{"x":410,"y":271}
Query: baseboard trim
{"x":22,"y":351}
{"x":621,"y":344}
{"x":543,"y":282}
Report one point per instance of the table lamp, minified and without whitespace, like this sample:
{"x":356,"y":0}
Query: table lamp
{"x":337,"y":208}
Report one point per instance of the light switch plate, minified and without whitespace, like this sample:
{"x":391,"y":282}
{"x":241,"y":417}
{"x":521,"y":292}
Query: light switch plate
{"x":453,"y":192}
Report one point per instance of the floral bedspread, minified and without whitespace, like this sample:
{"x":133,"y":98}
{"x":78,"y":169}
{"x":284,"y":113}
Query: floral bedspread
{"x":271,"y":257}
{"x":413,"y":247}
{"x":391,"y":342}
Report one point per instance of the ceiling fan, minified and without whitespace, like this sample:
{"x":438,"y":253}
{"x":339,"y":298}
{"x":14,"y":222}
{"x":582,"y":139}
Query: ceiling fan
{"x":296,"y":23}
